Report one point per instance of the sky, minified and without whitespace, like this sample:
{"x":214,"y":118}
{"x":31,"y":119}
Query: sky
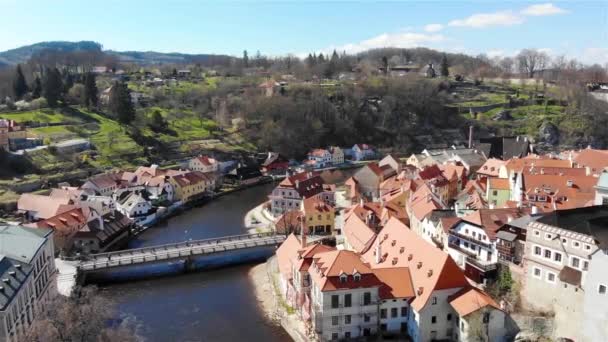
{"x":574,"y":28}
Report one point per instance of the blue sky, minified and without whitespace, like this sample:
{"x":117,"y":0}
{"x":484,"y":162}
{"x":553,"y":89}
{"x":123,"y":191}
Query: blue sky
{"x":574,"y":28}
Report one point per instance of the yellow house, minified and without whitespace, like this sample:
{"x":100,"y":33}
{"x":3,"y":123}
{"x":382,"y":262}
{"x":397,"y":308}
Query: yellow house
{"x":189,"y":186}
{"x":319,"y":216}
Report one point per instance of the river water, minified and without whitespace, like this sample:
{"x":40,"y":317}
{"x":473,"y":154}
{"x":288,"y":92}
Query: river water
{"x":204,"y":306}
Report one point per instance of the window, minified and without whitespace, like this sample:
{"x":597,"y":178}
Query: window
{"x":383,"y":327}
{"x":557,"y":257}
{"x":334,"y":336}
{"x":393,"y":312}
{"x":576,"y":244}
{"x":551,"y":277}
{"x":403,"y":311}
{"x":495,"y":193}
{"x":335,"y":301}
{"x":382,"y":313}
{"x":434,"y":300}
{"x":466,"y":244}
{"x":347,"y":334}
{"x":367,"y":298}
{"x":575,"y":262}
{"x":347,"y":319}
{"x":587,"y":247}
{"x":347,"y":300}
{"x":564,"y":241}
{"x":548,"y":236}
{"x":601,"y":289}
{"x":547,"y":253}
{"x":449,"y":317}
{"x":466,"y":231}
{"x":538,"y":272}
{"x":536,"y":233}
{"x":434,"y":319}
{"x":343,"y":278}
{"x":486,"y":317}
{"x":585,"y":265}
{"x":366,"y":318}
{"x":537,"y":250}
{"x":357,"y":277}
{"x":334,"y":320}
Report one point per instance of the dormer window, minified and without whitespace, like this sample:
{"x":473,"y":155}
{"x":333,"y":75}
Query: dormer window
{"x":343,"y":278}
{"x":357,"y":277}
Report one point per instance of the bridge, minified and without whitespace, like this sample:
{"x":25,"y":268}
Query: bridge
{"x":177,"y":251}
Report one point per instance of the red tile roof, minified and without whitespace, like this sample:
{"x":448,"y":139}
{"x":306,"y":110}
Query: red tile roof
{"x":491,"y":167}
{"x":492,"y":219}
{"x":596,"y":160}
{"x":499,"y":184}
{"x":471,"y":299}
{"x":357,"y":233}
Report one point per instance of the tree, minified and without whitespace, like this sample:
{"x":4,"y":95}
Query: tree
{"x":445,"y":67}
{"x":36,"y":88}
{"x":84,"y":316}
{"x":245,"y":59}
{"x":68,"y":83}
{"x":530,"y":61}
{"x":90,"y":90}
{"x":19,"y":85}
{"x":53,"y":87}
{"x":157,"y":122}
{"x":120,"y":103}
{"x":385,"y":64}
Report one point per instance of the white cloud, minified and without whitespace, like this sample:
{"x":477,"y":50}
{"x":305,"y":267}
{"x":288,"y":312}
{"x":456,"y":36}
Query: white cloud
{"x":542,"y":9}
{"x":433,"y":27}
{"x":595,"y":55}
{"x":398,"y":40}
{"x":481,"y":20}
{"x":495,"y":53}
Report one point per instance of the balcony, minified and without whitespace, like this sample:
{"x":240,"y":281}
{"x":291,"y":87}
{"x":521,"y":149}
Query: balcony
{"x":485,"y":266}
{"x":471,"y":240}
{"x":461,"y":250}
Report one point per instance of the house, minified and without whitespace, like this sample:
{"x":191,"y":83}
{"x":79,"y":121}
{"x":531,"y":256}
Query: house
{"x":490,"y":169}
{"x":274,"y":164}
{"x":473,"y":242}
{"x":498,"y":192}
{"x":28,"y":272}
{"x":552,"y":192}
{"x":506,"y":148}
{"x":102,"y":233}
{"x":289,"y":222}
{"x":39,"y":207}
{"x":457,"y":177}
{"x":203,"y":164}
{"x":432,"y":228}
{"x":191,"y":186}
{"x":184,"y":73}
{"x":337,"y":155}
{"x":72,"y":146}
{"x":421,"y":204}
{"x":436,"y":312}
{"x":472,"y":197}
{"x":318,"y":216}
{"x":134,"y":205}
{"x":103,"y":184}
{"x":359,"y":232}
{"x":244,"y":175}
{"x":595,"y":288}
{"x":601,"y":189}
{"x":594,"y":161}
{"x":511,"y":239}
{"x":392,"y":161}
{"x":289,"y":194}
{"x":437,"y":182}
{"x":428,"y":71}
{"x":363,"y":152}
{"x":321,"y":158}
{"x":560,"y":248}
{"x":369,"y":178}
{"x":65,"y":226}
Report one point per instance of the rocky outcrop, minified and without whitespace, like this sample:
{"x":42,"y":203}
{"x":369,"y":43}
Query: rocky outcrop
{"x":503,"y":115}
{"x":548,"y":134}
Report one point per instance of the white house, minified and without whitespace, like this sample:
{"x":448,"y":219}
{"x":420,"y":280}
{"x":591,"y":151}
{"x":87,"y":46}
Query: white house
{"x":321,"y":157}
{"x":337,"y":155}
{"x":203,"y":164}
{"x":134,"y":206}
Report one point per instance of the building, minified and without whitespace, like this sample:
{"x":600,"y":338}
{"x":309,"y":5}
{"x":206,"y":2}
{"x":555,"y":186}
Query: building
{"x":28,"y":272}
{"x":392,"y":161}
{"x":103,"y":184}
{"x":274,"y":164}
{"x":39,"y":207}
{"x":203,"y":164}
{"x":559,"y":250}
{"x":321,"y":157}
{"x":337,"y":155}
{"x":490,"y":169}
{"x":289,"y":194}
{"x":191,"y":186}
{"x":72,"y":146}
{"x":472,"y":241}
{"x":363,"y":152}
{"x":420,"y":205}
{"x":498,"y":192}
{"x":601,"y":189}
{"x":593,"y":161}
{"x":595,"y":300}
{"x":134,"y":205}
{"x":369,"y":178}
{"x":318,"y":216}
{"x":244,"y":175}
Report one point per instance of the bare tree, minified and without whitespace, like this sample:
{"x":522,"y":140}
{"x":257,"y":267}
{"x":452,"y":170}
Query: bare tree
{"x":506,"y":65}
{"x":531,"y":60}
{"x":82,"y":317}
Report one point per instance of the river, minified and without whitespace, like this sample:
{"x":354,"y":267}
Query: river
{"x":204,"y":306}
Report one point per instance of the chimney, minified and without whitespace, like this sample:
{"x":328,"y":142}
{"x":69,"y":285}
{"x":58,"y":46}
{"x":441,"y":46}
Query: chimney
{"x":471,"y":136}
{"x":534,"y":210}
{"x":378,"y":251}
{"x":569,"y":183}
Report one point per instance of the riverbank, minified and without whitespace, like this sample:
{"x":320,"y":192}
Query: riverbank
{"x":264,"y":278}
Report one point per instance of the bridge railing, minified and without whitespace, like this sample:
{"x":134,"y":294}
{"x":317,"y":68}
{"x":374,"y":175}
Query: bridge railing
{"x":185,"y":244}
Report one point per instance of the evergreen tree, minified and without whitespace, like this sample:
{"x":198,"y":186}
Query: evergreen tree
{"x":310,"y":60}
{"x":19,"y":85}
{"x":335,"y":57}
{"x":120,"y":103}
{"x":68,"y":82}
{"x":445,"y":67}
{"x":320,"y":58}
{"x":174,"y":72}
{"x":37,"y":88}
{"x":90,"y":90}
{"x":385,"y":64}
{"x":245,"y":59}
{"x":53,"y":87}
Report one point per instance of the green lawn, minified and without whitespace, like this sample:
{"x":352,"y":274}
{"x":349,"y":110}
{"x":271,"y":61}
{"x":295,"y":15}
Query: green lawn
{"x":42,"y":116}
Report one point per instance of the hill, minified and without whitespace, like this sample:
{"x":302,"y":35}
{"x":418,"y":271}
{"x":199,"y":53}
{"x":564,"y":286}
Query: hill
{"x":23,"y":54}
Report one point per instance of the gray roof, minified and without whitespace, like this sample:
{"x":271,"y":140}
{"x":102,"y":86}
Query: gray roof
{"x":22,"y":243}
{"x":13,"y":275}
{"x":592,"y":221}
{"x":507,"y":236}
{"x":522,"y":222}
{"x":603,"y":180}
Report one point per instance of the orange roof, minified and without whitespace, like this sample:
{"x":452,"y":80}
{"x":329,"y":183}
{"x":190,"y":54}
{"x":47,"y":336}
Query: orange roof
{"x":206,"y":160}
{"x":423,"y":202}
{"x":285,"y":253}
{"x":556,"y":187}
{"x":499,"y":184}
{"x":471,"y":299}
{"x":44,"y":206}
{"x":316,"y":205}
{"x":519,"y":164}
{"x":357,"y":233}
{"x":328,"y":266}
{"x":66,"y":223}
{"x":596,"y":160}
{"x":492,"y":219}
{"x":430,"y":268}
{"x":491,"y":167}
{"x":289,"y":220}
{"x":453,"y":172}
{"x":191,"y":178}
{"x":396,"y":283}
